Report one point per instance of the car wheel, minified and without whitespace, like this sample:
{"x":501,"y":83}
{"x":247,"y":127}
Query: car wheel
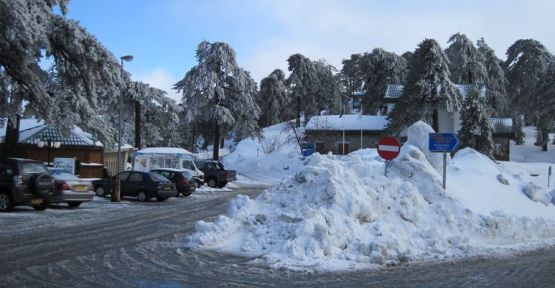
{"x":42,"y":184}
{"x":212,"y":183}
{"x":161,"y":199}
{"x":222,"y":184}
{"x":74,"y":204}
{"x":42,"y":206}
{"x":6,"y":203}
{"x":100,"y":192}
{"x":142,"y":196}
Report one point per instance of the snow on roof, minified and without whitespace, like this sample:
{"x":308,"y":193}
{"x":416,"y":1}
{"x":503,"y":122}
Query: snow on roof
{"x":164,"y":150}
{"x":502,"y":125}
{"x":395,"y":91}
{"x":33,"y":130}
{"x":347,"y":122}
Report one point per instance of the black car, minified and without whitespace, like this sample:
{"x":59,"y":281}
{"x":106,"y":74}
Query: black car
{"x":24,"y":182}
{"x":145,"y":185}
{"x":182,"y":179}
{"x":215,"y":174}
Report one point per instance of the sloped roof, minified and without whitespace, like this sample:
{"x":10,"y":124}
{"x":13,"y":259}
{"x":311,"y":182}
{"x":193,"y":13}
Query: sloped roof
{"x":502,"y":125}
{"x":32,"y":131}
{"x":347,"y":122}
{"x":395,"y":91}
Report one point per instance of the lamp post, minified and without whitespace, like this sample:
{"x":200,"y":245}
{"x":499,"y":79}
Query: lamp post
{"x":116,"y":192}
{"x":49,"y":143}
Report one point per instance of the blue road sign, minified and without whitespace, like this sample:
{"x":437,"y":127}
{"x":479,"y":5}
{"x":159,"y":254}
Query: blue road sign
{"x":442,"y":142}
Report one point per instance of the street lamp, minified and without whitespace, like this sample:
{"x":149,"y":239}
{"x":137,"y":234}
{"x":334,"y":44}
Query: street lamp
{"x":49,"y":143}
{"x":116,"y":193}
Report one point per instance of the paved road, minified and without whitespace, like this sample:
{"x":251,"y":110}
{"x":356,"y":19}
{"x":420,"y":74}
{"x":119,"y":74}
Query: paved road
{"x":141,"y":245}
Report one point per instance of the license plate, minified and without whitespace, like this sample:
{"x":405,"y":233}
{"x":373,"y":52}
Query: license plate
{"x":80,"y":188}
{"x":36,"y":201}
{"x":167,"y":188}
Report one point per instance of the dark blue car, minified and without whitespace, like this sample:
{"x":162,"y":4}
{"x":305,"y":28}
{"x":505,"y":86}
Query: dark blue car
{"x":145,"y":186}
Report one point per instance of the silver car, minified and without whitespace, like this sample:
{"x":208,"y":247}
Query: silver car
{"x":70,"y":188}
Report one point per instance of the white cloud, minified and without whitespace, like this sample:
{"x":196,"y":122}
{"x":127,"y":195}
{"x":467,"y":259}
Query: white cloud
{"x":161,"y":79}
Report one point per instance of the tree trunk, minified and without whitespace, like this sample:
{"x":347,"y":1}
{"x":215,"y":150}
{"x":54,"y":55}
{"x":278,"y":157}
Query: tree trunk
{"x":517,"y":129}
{"x":298,"y":123}
{"x":12,"y":137}
{"x":138,"y":125}
{"x":216,"y":151}
{"x":435,"y":120}
{"x":545,"y":139}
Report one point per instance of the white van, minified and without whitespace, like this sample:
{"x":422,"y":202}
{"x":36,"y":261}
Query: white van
{"x":167,"y":157}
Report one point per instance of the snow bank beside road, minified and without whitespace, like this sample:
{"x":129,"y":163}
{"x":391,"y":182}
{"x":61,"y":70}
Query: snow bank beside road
{"x":342,"y":213}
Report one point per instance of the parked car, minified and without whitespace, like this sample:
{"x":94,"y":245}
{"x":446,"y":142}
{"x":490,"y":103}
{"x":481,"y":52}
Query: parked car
{"x":215,"y":174}
{"x":183,"y":179}
{"x":69,"y":188}
{"x":103,"y":187}
{"x":145,"y":185}
{"x":24,"y":182}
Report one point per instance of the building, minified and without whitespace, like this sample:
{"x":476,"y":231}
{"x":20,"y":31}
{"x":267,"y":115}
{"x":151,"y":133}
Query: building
{"x":43,"y":142}
{"x":342,"y":134}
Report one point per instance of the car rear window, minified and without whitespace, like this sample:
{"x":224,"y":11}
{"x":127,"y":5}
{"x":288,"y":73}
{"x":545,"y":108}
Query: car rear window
{"x":64,"y":176}
{"x":157,"y":177}
{"x":33,"y":168}
{"x":187,"y":175}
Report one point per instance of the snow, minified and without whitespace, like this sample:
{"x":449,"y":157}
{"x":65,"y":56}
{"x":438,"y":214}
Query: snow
{"x":333,"y":212}
{"x":266,"y":161}
{"x":164,"y":150}
{"x":347,"y":122}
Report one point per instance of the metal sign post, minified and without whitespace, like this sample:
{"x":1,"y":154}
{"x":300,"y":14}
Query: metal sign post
{"x":548,"y":176}
{"x":443,"y":142}
{"x":388,"y":148}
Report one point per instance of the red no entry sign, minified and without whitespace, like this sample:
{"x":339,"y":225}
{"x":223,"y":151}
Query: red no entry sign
{"x":389,"y":148}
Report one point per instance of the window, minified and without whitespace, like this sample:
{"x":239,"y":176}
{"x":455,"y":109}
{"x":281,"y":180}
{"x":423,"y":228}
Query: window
{"x":123,"y":176}
{"x":188,"y":164}
{"x":6,"y":169}
{"x":136,"y":177}
{"x":34,"y":168}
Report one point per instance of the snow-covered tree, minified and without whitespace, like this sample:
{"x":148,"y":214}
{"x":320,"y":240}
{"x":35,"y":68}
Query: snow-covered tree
{"x":527,"y":64}
{"x":545,"y":113}
{"x":352,"y":76}
{"x":314,"y":87}
{"x":84,"y":80}
{"x":273,"y":99}
{"x":428,"y":88}
{"x":159,"y":124}
{"x":219,"y":92}
{"x":381,"y":68}
{"x":496,"y":82}
{"x":464,"y":63}
{"x":476,"y":129}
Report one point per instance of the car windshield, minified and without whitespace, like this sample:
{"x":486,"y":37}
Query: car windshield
{"x":157,"y":177}
{"x":34,"y":168}
{"x":187,"y":175}
{"x":188,"y":164}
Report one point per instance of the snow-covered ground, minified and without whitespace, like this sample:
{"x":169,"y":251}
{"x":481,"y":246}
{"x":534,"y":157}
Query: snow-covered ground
{"x":332,"y":212}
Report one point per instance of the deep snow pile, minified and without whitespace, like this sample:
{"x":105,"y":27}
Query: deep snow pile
{"x":341,"y":213}
{"x":269,"y":158}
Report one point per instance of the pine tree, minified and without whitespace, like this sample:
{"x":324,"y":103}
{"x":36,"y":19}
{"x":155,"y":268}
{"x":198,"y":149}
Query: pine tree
{"x":527,"y":64}
{"x":219,"y":92}
{"x":428,"y":89}
{"x":476,"y":129}
{"x":84,"y":76}
{"x":314,"y":87}
{"x":464,"y":63}
{"x":380,"y":69}
{"x":273,"y":99}
{"x":496,"y":82}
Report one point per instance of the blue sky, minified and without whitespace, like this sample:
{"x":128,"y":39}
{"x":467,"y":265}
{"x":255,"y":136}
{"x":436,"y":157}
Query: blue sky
{"x":162,"y":35}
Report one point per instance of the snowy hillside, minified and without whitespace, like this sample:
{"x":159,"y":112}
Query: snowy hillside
{"x":342,"y":213}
